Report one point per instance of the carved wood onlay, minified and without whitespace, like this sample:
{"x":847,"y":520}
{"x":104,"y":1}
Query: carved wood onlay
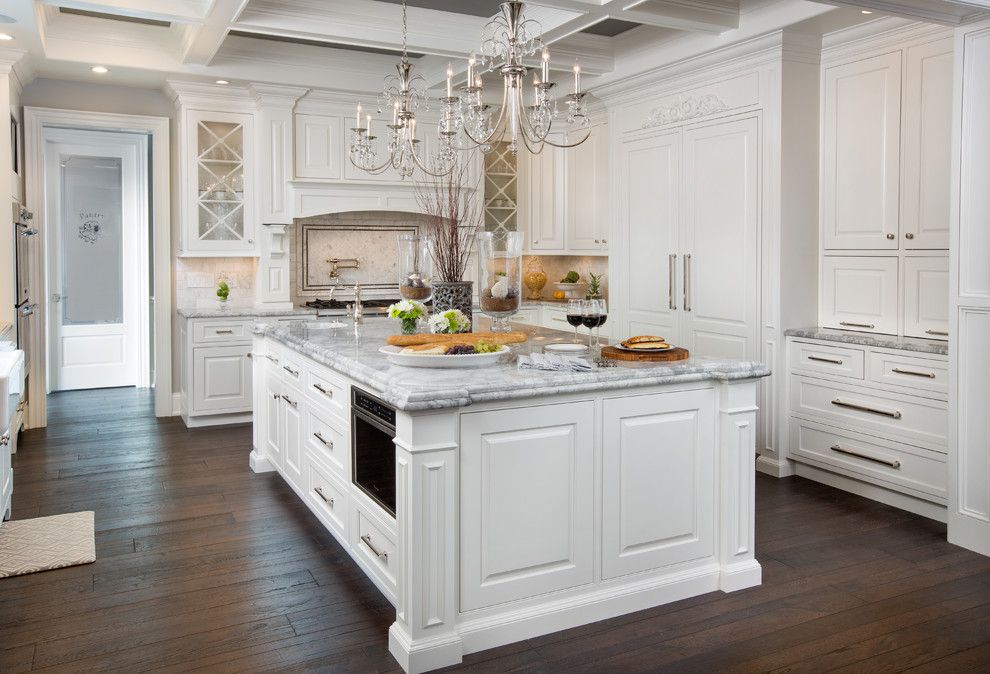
{"x":689,"y":107}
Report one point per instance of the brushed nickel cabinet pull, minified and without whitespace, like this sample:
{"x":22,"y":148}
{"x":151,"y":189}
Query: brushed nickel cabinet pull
{"x":275,"y":396}
{"x":224,"y":332}
{"x":893,"y":463}
{"x":909,"y":236}
{"x":319,"y":492}
{"x":890,"y":236}
{"x":895,"y":414}
{"x":294,"y":373}
{"x":687,"y":282}
{"x":868,"y":326}
{"x":833,"y":361}
{"x":324,"y":391}
{"x":381,"y":554}
{"x":272,"y":358}
{"x":290,"y":401}
{"x":930,"y":375}
{"x":323,"y":440}
{"x":671,"y":280}
{"x":940,"y":333}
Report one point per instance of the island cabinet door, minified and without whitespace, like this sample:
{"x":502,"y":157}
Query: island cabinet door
{"x":292,"y":438}
{"x":273,"y":421}
{"x":658,"y":492}
{"x":527,"y":495}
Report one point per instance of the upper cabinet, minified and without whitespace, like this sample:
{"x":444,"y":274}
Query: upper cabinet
{"x":318,"y":140}
{"x":563,"y":197}
{"x":216,"y":163}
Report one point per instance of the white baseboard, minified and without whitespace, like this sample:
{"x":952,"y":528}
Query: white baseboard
{"x":259,"y":463}
{"x":216,"y":420}
{"x":176,"y":404}
{"x":773,"y":466}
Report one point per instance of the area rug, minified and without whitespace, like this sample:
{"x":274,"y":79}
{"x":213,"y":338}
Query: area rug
{"x":44,"y":543}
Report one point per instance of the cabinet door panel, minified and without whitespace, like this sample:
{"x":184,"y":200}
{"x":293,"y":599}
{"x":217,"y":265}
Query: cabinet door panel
{"x":547,"y":186}
{"x":927,"y":146}
{"x":318,"y":146}
{"x":659,"y":476}
{"x":649,"y":179}
{"x":718,"y":239}
{"x":861,"y":153}
{"x":273,"y":421}
{"x":926,"y":297}
{"x":292,"y":437}
{"x":527,"y":500}
{"x":587,"y":189}
{"x":222,"y":379}
{"x":860,"y":293}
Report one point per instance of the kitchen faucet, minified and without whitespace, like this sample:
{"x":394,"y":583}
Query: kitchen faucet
{"x":358,"y":312}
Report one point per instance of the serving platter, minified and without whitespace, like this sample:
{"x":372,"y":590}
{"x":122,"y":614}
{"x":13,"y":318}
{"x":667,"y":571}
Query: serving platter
{"x":432,"y":360}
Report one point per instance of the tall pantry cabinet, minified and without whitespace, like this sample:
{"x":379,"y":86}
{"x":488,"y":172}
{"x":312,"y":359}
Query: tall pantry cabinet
{"x":705,"y":170}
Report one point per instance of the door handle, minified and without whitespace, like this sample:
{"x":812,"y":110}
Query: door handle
{"x":687,"y":282}
{"x":671,"y":280}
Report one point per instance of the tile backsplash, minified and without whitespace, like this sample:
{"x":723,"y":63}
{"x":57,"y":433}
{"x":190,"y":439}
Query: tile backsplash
{"x":196,"y":280}
{"x":557,"y":266}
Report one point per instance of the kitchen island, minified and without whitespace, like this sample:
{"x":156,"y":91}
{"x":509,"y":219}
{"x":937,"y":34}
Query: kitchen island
{"x":494,"y":505}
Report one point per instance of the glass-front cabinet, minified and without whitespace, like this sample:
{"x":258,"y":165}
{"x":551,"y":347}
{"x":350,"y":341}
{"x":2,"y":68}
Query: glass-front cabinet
{"x":218,"y":209}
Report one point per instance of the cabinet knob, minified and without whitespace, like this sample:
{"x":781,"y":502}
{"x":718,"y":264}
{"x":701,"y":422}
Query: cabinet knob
{"x":909,"y":235}
{"x":250,"y":240}
{"x":890,"y":236}
{"x":604,"y":240}
{"x":597,"y":241}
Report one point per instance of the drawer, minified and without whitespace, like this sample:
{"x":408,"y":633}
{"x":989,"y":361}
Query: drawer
{"x":900,"y":467}
{"x":556,"y":318}
{"x":328,"y":391}
{"x":222,"y":331}
{"x":815,"y":358}
{"x":375,"y":545}
{"x":916,"y":421}
{"x":291,"y":368}
{"x":529,"y":316}
{"x":328,"y":497}
{"x":928,"y":375}
{"x":328,"y":440}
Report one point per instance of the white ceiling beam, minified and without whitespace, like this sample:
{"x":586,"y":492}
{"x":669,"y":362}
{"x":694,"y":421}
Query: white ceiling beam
{"x":173,"y":11}
{"x":201,"y":43}
{"x":944,"y":12}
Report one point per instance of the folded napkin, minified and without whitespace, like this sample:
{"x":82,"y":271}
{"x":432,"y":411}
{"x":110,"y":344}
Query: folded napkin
{"x":547,"y":361}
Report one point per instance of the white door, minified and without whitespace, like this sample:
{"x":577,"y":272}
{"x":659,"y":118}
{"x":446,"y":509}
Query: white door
{"x":97,"y":222}
{"x":719,"y":240}
{"x":926,"y":297}
{"x":650,"y":178}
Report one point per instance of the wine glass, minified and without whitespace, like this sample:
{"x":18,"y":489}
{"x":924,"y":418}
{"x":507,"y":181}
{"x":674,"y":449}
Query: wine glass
{"x":602,"y":317}
{"x":575,"y":313}
{"x":590,"y":317}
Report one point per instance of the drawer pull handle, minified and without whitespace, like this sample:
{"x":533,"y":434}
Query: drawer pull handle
{"x":896,"y":414}
{"x":224,"y":332}
{"x":930,"y":375}
{"x":324,"y":391}
{"x":940,"y":333}
{"x":323,"y":440}
{"x":271,"y":358}
{"x":378,"y":553}
{"x":893,"y":463}
{"x":671,"y":280}
{"x":319,"y":492}
{"x":868,"y":326}
{"x":288,"y":400}
{"x":294,"y":373}
{"x":833,"y":361}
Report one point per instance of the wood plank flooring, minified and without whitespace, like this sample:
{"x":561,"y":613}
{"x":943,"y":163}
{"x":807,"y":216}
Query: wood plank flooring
{"x":204,"y":566}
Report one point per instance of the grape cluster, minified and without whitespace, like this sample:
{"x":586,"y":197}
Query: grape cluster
{"x":461,"y":349}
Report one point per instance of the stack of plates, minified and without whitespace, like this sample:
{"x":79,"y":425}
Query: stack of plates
{"x":566,"y":349}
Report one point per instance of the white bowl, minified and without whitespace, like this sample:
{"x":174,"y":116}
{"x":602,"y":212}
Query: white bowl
{"x":573,"y":291}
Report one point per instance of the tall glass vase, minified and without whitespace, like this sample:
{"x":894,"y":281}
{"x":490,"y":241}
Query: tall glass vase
{"x":415,"y":267}
{"x":500,"y":276}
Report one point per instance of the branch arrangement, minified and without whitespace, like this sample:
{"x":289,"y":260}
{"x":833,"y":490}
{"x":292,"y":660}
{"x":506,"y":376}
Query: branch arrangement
{"x":453,"y":220}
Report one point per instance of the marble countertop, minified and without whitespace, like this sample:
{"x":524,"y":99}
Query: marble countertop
{"x":242,"y":312}
{"x":866,"y":339}
{"x":354,"y":353}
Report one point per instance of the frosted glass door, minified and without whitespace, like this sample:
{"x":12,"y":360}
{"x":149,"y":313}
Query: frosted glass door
{"x":220,"y":162}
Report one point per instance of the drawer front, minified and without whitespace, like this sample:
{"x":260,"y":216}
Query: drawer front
{"x":291,"y":368}
{"x":870,"y":459}
{"x":328,"y":496}
{"x":375,"y":546}
{"x":930,"y":376}
{"x":529,"y":316}
{"x":327,"y":391}
{"x":327,"y":439}
{"x":221,"y":331}
{"x":912,"y":420}
{"x":555,"y":318}
{"x":816,"y":358}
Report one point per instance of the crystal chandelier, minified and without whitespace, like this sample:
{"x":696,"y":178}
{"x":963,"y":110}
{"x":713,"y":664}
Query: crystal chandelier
{"x":403,"y":94}
{"x":508,"y":39}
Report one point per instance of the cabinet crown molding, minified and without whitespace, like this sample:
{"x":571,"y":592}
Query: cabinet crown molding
{"x":687,"y":107}
{"x":216,"y":97}
{"x":276,"y":95}
{"x":8,"y":57}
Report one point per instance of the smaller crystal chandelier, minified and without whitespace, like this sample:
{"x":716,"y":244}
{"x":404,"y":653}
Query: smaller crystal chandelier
{"x":404,"y":94}
{"x":508,"y":39}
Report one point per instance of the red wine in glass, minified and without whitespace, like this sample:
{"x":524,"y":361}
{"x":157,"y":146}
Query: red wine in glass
{"x":574,"y":319}
{"x":591,"y":320}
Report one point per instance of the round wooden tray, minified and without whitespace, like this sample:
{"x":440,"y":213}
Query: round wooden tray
{"x":677,"y":353}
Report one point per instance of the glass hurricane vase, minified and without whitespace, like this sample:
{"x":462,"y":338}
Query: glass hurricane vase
{"x":500,"y":277}
{"x":415,"y":267}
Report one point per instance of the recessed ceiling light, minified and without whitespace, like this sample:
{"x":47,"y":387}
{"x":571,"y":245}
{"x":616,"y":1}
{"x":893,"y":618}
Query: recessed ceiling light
{"x":7,"y":19}
{"x":222,"y":82}
{"x":5,"y":36}
{"x":866,"y":11}
{"x":99,"y":70}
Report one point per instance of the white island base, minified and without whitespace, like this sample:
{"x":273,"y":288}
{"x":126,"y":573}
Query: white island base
{"x":521,"y":516}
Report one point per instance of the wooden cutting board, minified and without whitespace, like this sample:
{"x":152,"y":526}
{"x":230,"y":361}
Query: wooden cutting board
{"x":677,"y":353}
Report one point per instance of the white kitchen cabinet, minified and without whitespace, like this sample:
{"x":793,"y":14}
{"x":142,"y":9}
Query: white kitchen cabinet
{"x":861,"y":153}
{"x":926,"y":146}
{"x":221,"y":379}
{"x":587,"y":193}
{"x":657,"y":458}
{"x":547,"y":206}
{"x":291,"y":409}
{"x":217,"y":178}
{"x":273,"y":422}
{"x":318,"y":146}
{"x":926,"y":297}
{"x":859,"y":293}
{"x":509,"y":548}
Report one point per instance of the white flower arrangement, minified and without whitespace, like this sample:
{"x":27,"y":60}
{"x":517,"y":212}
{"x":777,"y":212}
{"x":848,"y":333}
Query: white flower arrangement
{"x":449,"y":322}
{"x":406,"y":310}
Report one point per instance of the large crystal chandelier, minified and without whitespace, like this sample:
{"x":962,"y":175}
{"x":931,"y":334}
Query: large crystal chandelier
{"x":403,"y":94}
{"x":508,"y":39}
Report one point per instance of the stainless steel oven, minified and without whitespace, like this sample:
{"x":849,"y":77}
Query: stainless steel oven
{"x":373,"y":448}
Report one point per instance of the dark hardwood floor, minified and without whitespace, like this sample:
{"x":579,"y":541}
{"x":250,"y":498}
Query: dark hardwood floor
{"x":205,"y":566}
